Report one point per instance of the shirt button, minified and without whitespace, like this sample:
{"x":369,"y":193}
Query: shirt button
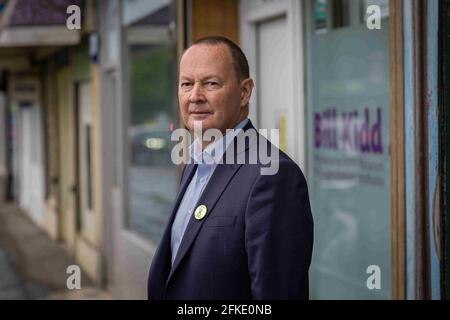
{"x":202,"y":180}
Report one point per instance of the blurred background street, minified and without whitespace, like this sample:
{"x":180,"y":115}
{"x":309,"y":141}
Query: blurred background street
{"x":32,"y":266}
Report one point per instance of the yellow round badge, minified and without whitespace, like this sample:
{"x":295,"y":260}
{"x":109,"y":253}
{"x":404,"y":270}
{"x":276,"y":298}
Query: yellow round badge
{"x":200,"y":212}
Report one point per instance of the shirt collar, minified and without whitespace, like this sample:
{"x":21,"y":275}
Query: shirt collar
{"x":213,"y":153}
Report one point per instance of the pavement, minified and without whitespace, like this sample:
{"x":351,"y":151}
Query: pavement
{"x":32,"y":266}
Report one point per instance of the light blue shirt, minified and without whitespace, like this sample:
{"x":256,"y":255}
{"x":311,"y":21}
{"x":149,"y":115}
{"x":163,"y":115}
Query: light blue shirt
{"x":207,"y":161}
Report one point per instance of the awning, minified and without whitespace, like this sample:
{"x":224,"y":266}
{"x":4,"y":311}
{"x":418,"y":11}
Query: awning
{"x":29,"y":23}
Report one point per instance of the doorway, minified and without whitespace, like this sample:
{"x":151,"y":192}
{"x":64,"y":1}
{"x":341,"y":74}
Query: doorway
{"x":272,"y":39}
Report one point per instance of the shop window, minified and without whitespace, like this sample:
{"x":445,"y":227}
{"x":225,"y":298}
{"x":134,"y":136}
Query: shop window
{"x":151,"y":82}
{"x":348,"y":163}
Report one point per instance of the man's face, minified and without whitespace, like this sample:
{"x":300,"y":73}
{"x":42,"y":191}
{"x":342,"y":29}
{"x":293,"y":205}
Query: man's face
{"x":209,"y":90}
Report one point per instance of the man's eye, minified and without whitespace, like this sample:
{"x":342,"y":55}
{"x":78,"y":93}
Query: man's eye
{"x":185,"y":84}
{"x":212,"y":84}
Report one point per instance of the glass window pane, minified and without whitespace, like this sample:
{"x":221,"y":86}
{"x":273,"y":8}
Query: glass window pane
{"x":151,"y":64}
{"x":348,"y":81}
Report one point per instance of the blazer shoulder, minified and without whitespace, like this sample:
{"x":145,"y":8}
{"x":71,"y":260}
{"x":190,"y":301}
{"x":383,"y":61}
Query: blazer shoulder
{"x":271,"y":155}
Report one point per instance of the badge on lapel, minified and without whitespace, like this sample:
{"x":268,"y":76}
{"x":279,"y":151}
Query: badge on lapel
{"x":200,"y":212}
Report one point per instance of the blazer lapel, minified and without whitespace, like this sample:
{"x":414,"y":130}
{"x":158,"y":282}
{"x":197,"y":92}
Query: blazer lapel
{"x":216,"y":185}
{"x":185,"y":179}
{"x":161,"y":261}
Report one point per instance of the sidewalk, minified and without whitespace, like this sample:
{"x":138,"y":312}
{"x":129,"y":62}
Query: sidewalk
{"x":31,"y":265}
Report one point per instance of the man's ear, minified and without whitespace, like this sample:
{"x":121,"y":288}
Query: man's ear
{"x":246,"y":91}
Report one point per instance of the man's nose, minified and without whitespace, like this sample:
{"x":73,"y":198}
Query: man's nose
{"x":196,"y":94}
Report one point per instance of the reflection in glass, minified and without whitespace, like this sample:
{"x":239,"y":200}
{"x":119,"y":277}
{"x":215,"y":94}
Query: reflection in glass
{"x":152,"y":178}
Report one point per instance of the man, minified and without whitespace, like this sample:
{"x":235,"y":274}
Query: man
{"x":234,"y":233}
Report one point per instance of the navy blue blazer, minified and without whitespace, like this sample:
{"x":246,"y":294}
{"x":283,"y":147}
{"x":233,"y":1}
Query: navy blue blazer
{"x":254,"y":243}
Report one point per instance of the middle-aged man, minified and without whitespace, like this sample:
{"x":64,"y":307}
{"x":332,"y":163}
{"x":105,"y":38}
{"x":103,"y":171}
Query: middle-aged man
{"x":234,"y":233}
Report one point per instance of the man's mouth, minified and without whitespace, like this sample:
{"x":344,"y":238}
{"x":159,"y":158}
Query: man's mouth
{"x":200,"y":114}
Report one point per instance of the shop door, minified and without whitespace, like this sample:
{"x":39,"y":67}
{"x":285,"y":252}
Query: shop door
{"x":271,"y":36}
{"x":273,"y":71}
